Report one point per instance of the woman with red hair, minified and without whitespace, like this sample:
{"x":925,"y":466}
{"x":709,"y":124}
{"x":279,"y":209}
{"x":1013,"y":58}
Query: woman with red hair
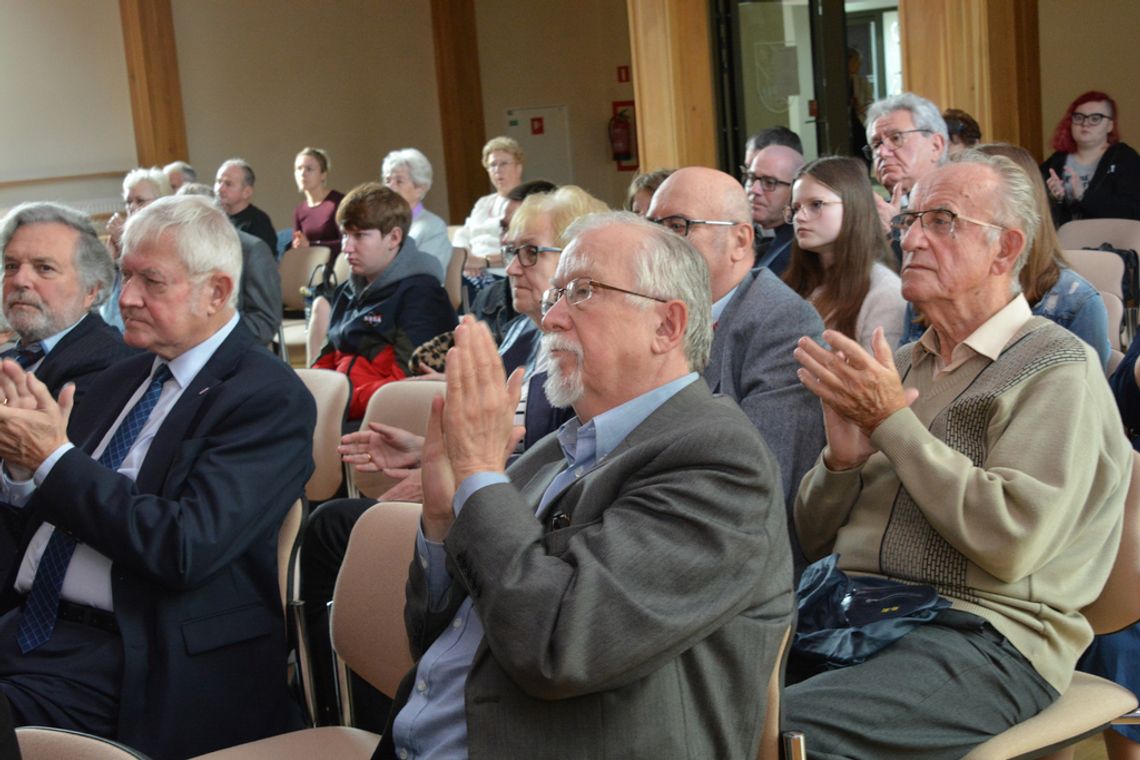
{"x":1092,"y":175}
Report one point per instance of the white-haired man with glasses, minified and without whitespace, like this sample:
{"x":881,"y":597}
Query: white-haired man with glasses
{"x":906,"y":140}
{"x":758,"y":320}
{"x":623,"y":587}
{"x":986,"y":463}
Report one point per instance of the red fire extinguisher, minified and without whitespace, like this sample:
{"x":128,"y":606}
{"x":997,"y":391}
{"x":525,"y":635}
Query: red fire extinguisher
{"x":621,"y":136}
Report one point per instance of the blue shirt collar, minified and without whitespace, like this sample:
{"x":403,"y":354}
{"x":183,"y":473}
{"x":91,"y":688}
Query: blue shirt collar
{"x":52,"y":341}
{"x":589,"y":444}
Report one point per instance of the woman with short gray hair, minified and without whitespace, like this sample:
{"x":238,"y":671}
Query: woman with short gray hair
{"x":408,"y":172}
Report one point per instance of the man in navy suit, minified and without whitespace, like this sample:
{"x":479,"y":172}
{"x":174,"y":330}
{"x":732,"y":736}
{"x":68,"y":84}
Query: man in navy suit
{"x":145,"y":606}
{"x":56,"y":275}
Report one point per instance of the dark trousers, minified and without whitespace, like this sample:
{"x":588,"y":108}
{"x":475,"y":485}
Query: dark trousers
{"x":72,"y":681}
{"x":323,"y":548}
{"x":937,"y":692}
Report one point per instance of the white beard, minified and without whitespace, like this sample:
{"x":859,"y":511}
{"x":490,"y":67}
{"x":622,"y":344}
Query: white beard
{"x":562,"y":389}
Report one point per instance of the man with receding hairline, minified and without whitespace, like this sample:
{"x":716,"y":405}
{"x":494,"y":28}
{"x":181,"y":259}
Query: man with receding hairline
{"x":758,"y":320}
{"x":622,"y":588}
{"x":769,"y":185}
{"x":145,"y":606}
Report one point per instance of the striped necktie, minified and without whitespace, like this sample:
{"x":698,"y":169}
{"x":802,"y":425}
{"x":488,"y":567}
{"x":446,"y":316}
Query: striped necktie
{"x":42,"y":605}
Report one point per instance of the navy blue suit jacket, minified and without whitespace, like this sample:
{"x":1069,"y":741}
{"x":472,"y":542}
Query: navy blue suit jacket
{"x":90,"y":347}
{"x":193,"y":545}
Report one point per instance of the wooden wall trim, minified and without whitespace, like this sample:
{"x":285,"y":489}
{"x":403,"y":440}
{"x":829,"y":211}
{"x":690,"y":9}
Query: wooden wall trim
{"x":156,"y":89}
{"x":460,"y":93}
{"x":673,"y":83}
{"x":980,"y":56}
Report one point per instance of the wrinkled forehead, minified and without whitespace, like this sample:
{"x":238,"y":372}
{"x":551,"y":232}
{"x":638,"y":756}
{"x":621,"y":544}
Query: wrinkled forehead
{"x":607,"y":254}
{"x":963,"y":187}
{"x":895,"y":121}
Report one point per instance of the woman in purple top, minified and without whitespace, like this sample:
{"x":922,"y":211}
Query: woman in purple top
{"x":314,"y":219}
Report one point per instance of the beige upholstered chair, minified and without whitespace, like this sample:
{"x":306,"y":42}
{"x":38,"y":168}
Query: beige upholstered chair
{"x":299,"y":267}
{"x":367,"y":632}
{"x":1115,"y":308}
{"x":1104,"y":269}
{"x":331,"y":390}
{"x":40,"y":743}
{"x":1090,"y":233}
{"x":317,"y":331}
{"x":1089,"y":704}
{"x":404,"y":404}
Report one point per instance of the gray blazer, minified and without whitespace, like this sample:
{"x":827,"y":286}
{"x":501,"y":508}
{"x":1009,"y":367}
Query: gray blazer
{"x":752,"y":362}
{"x":649,"y":625}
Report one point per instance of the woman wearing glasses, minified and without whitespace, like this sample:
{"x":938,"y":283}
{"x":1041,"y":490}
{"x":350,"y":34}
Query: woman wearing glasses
{"x":839,"y":250}
{"x":478,"y":238}
{"x":1092,"y":175}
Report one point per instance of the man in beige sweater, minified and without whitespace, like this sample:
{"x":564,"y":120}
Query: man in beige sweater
{"x":986,"y":460}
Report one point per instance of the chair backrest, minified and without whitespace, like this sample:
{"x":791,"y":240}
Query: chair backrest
{"x":368,"y":603}
{"x":317,"y":330}
{"x":770,"y":737}
{"x":1104,"y":269}
{"x":1118,"y":605}
{"x":1115,"y":308}
{"x":297,"y":267}
{"x":405,"y":404}
{"x":41,"y":743}
{"x":1082,"y":233}
{"x":341,"y":268}
{"x":331,"y":390}
{"x":1115,"y":357}
{"x":286,"y":547}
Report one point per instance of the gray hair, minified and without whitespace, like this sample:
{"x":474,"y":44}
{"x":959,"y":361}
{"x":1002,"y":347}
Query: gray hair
{"x":923,"y":112}
{"x":92,"y":260}
{"x":185,"y":169}
{"x":669,"y":267}
{"x":204,"y":238}
{"x":197,"y":188}
{"x":1014,"y":203}
{"x":248,"y":177}
{"x":419,"y":168}
{"x":155,"y":176}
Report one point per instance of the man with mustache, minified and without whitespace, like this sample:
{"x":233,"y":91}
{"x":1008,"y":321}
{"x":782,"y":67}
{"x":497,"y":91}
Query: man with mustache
{"x":625,"y":584}
{"x":56,"y":275}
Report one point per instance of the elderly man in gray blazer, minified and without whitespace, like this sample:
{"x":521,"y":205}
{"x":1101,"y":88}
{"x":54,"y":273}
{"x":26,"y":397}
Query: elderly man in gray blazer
{"x":622,"y":589}
{"x":758,"y":321}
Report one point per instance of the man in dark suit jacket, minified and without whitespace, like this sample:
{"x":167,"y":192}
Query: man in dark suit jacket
{"x":56,"y":275}
{"x":758,"y":321}
{"x":626,"y":597}
{"x":168,"y":634}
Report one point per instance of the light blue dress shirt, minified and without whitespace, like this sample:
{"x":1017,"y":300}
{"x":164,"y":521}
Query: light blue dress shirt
{"x":433,"y":723}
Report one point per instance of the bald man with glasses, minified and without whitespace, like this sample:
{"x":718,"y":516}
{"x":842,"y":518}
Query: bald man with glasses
{"x":758,"y":320}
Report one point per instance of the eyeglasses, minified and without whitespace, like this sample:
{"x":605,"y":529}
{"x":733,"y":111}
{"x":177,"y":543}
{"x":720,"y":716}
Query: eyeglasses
{"x":498,"y":165}
{"x":896,"y":139}
{"x":580,"y":289}
{"x":1091,"y":118}
{"x":527,"y":254}
{"x":810,"y":210}
{"x":681,"y":225}
{"x":768,"y":183}
{"x":939,"y":222}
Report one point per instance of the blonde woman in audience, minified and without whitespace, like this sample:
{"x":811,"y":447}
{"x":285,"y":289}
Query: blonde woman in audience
{"x":839,"y":250}
{"x":478,"y":238}
{"x":141,"y":187}
{"x":408,"y":172}
{"x":314,"y":218}
{"x":1053,"y":290}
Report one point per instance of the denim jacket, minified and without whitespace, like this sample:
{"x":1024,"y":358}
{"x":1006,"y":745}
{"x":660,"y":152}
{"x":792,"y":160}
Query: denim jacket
{"x":1073,"y":303}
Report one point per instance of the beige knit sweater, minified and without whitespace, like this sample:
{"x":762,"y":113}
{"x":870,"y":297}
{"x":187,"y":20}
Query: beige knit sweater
{"x":1002,"y":486}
